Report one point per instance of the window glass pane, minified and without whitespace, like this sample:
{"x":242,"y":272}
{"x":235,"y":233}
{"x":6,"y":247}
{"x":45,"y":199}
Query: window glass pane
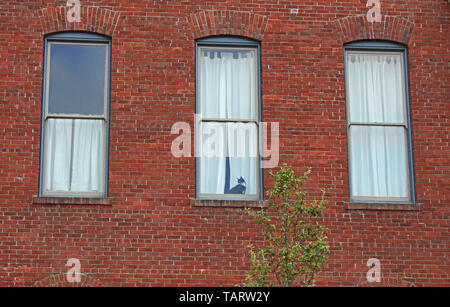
{"x":228,"y":164}
{"x":379,"y":161}
{"x":77,"y":79}
{"x":375,"y":85}
{"x":74,"y":155}
{"x":227,"y":83}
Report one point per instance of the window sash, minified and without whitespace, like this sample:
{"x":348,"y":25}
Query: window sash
{"x":257,"y":162}
{"x":349,"y":53}
{"x":352,"y":170}
{"x":49,"y":192}
{"x":47,"y":83}
{"x":234,"y":154}
{"x":255,"y":85}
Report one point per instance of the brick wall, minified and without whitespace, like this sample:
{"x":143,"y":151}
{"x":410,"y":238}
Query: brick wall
{"x":149,"y":231}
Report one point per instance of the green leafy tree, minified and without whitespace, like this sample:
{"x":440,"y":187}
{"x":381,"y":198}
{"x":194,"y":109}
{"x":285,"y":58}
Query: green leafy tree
{"x":295,"y":244}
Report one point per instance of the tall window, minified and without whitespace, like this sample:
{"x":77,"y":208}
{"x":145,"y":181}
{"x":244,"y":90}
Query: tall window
{"x":378,"y":122}
{"x":75,"y":115}
{"x":228,"y":104}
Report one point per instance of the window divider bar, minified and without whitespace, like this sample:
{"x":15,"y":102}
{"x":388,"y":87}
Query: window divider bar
{"x":75,"y":116}
{"x":71,"y":155}
{"x":230,"y":120}
{"x":378,"y":124}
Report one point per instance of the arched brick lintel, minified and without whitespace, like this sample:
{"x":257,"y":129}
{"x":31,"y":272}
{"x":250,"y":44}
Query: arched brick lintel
{"x":227,"y":22}
{"x":393,"y":28}
{"x":92,"y":19}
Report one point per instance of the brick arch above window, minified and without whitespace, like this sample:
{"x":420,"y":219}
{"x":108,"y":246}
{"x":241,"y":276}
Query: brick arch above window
{"x":227,"y":22}
{"x":92,"y":19}
{"x":392,"y":28}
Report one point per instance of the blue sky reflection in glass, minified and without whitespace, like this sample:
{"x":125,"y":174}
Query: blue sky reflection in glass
{"x":77,"y":79}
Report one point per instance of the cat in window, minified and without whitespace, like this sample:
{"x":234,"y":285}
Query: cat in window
{"x":239,"y":188}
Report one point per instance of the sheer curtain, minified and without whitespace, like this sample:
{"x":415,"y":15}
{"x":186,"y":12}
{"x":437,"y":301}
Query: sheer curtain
{"x":213,"y":158}
{"x":74,"y":155}
{"x":241,"y":150}
{"x":378,"y":152}
{"x":227,"y":84}
{"x":227,"y":92}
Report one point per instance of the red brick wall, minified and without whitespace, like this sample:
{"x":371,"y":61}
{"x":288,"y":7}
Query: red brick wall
{"x":150,"y":232}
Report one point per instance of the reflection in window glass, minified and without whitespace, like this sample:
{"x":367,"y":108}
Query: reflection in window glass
{"x":77,"y":79}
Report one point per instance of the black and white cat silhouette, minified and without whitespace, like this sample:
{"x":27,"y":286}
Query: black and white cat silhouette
{"x":239,"y":188}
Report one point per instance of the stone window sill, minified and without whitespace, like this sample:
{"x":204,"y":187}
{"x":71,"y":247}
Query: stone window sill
{"x":382,"y":206}
{"x":229,"y":203}
{"x":72,"y":201}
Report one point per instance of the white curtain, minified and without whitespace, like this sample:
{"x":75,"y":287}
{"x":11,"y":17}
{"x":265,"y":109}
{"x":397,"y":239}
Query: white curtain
{"x":378,"y":157}
{"x":242,"y":152}
{"x":74,"y":155}
{"x":375,"y":88}
{"x":227,"y":85}
{"x":213,"y":158}
{"x":238,"y":143}
{"x":227,"y":91}
{"x":378,"y":153}
{"x":58,"y":154}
